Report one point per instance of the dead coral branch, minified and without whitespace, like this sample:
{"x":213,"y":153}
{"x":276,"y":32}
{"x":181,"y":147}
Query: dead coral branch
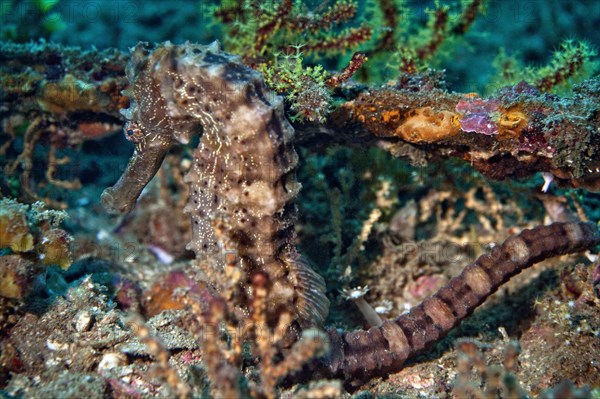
{"x":531,"y":131}
{"x":512,"y":134}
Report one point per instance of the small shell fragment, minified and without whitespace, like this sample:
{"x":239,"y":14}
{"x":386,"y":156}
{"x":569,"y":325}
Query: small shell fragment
{"x":112,"y":360}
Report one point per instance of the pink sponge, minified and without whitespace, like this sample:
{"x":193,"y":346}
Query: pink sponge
{"x":477,"y":116}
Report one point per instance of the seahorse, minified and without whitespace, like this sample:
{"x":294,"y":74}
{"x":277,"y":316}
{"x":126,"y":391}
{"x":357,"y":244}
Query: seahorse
{"x":242,"y":192}
{"x":242,"y":181}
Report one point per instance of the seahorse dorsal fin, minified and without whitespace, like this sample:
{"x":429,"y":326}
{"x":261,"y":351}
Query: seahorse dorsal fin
{"x":311,"y":302}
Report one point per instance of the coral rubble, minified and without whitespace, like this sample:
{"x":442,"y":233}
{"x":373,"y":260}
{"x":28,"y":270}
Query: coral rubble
{"x":32,"y":235}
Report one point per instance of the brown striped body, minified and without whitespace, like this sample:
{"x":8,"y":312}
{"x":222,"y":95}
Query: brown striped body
{"x":359,"y":356}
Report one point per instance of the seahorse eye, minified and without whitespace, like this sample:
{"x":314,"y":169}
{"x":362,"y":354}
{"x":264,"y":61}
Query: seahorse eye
{"x":130,"y":132}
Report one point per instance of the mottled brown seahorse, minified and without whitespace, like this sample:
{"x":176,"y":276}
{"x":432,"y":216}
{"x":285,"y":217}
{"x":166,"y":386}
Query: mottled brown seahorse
{"x":242,"y":181}
{"x":242,"y":191}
